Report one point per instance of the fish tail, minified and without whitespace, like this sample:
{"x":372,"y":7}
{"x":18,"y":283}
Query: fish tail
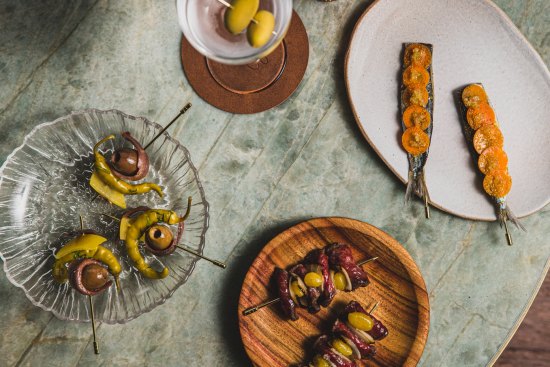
{"x":417,"y":185}
{"x":505,"y":214}
{"x":509,"y":215}
{"x":411,"y":184}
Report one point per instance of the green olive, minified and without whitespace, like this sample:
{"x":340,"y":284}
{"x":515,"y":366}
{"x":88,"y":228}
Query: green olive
{"x":239,"y":15}
{"x":159,"y":237}
{"x":313,"y":280}
{"x":260,"y":32}
{"x":94,"y":276}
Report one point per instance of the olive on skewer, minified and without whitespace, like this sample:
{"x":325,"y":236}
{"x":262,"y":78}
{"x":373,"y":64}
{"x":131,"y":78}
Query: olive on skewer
{"x":308,"y":285}
{"x":87,"y":245}
{"x":109,"y":177}
{"x":351,"y":338}
{"x":88,"y":276}
{"x":130,"y":164}
{"x":86,"y":264}
{"x":151,"y":227}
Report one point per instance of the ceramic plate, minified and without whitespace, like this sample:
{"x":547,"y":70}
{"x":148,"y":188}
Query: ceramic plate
{"x":396,"y":283}
{"x":44,"y":188}
{"x":473,"y":41}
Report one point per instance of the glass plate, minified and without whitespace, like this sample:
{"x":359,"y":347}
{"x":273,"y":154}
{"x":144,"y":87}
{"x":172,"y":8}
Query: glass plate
{"x":44,"y":188}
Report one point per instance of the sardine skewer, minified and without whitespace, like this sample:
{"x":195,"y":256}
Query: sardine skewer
{"x":416,"y":106}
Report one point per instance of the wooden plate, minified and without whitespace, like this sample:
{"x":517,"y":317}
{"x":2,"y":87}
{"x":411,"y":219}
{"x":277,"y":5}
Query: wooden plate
{"x":396,"y":283}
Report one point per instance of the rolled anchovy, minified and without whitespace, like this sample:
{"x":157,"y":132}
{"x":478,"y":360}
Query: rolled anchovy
{"x":416,"y":181}
{"x":504,"y":213}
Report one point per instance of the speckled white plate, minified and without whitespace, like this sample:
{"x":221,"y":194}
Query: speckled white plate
{"x":474,"y":41}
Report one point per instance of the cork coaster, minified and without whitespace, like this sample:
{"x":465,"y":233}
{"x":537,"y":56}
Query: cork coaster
{"x":255,"y":87}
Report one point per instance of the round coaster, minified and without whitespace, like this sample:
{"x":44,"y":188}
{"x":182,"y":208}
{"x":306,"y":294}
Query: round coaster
{"x":254,"y":87}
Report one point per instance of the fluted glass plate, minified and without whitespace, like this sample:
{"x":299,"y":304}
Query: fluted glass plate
{"x":44,"y":188}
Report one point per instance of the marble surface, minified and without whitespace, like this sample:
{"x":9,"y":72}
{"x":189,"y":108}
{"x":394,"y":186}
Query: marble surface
{"x":262,"y":173}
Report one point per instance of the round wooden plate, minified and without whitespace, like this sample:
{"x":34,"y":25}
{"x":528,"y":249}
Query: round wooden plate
{"x":396,"y":283}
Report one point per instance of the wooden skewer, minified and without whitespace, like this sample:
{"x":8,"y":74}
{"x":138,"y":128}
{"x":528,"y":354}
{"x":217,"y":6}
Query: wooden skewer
{"x":183,"y":110}
{"x":215,"y":262}
{"x":253,"y":309}
{"x":373,"y":308}
{"x":96,"y":345}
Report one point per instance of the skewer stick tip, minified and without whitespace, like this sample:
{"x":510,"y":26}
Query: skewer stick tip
{"x":360,"y":263}
{"x":253,"y":309}
{"x":508,"y":235}
{"x":374,"y":308}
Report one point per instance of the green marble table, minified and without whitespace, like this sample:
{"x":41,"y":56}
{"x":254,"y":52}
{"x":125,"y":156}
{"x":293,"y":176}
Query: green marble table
{"x":262,"y":173}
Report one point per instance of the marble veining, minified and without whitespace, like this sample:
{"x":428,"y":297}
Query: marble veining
{"x":261,"y":174}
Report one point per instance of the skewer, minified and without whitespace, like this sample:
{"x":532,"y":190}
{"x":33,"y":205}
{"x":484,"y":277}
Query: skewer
{"x":253,"y":309}
{"x":508,"y":235}
{"x":228,"y":5}
{"x":96,"y":345}
{"x":215,"y":262}
{"x":373,"y":308}
{"x":182,"y":111}
{"x":426,"y":207}
{"x":426,"y":197}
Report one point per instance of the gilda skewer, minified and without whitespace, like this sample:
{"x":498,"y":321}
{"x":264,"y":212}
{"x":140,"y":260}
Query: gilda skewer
{"x":316,"y":280}
{"x":151,"y":227}
{"x":110,"y":176}
{"x":89,"y":265}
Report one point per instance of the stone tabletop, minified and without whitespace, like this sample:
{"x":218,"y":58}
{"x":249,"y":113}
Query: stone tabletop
{"x":262,"y":173}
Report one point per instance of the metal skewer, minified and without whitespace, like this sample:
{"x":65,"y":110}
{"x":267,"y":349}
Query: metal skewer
{"x":183,"y":110}
{"x":96,"y":345}
{"x":253,"y":309}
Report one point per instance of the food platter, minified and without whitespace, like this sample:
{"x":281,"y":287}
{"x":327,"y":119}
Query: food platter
{"x":396,"y":283}
{"x":44,"y":189}
{"x":512,"y":72}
